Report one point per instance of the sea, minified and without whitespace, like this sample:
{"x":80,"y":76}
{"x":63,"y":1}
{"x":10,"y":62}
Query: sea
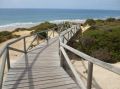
{"x":18,"y":17}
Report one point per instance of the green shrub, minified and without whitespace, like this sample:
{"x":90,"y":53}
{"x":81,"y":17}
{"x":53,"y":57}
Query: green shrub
{"x":90,"y":22}
{"x":6,"y":35}
{"x":92,"y":27}
{"x":20,"y":29}
{"x":103,"y":55}
{"x":64,"y":26}
{"x":43,"y":34}
{"x":43,"y":26}
{"x":110,"y":19}
{"x":101,"y":40}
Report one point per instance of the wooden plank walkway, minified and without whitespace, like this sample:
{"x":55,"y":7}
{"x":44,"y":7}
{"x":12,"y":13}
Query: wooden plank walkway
{"x":39,"y":69}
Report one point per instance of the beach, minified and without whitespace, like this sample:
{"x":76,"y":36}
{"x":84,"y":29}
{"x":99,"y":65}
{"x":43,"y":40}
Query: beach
{"x":12,"y":27}
{"x":102,"y":79}
{"x":14,"y":56}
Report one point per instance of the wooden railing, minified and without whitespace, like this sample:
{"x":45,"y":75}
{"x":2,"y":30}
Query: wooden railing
{"x":5,"y":55}
{"x":67,"y":65}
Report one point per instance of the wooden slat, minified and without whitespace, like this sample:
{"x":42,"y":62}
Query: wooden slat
{"x":39,"y":69}
{"x":14,"y":49}
{"x":77,"y":77}
{"x":42,"y":86}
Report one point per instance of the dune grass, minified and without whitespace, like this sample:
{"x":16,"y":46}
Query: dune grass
{"x":6,"y":35}
{"x":101,"y":40}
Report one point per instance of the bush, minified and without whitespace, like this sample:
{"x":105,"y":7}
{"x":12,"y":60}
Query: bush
{"x":103,"y":55}
{"x":110,"y":19}
{"x":90,"y":22}
{"x":63,"y":26}
{"x":43,"y":34}
{"x":92,"y":28}
{"x":20,"y":29}
{"x":6,"y":35}
{"x":101,"y":41}
{"x":43,"y":26}
{"x":99,"y":21}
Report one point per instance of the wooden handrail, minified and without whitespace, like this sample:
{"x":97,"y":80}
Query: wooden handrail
{"x":77,"y":77}
{"x":63,"y":45}
{"x":2,"y":68}
{"x":14,"y":49}
{"x":31,"y":42}
{"x":5,"y":52}
{"x":93,"y":60}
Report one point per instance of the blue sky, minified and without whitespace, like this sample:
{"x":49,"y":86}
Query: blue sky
{"x":63,"y":4}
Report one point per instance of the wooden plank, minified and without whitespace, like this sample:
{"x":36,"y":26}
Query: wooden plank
{"x":14,"y":49}
{"x":34,"y":72}
{"x":77,"y":77}
{"x":71,"y":86}
{"x":37,"y":82}
{"x":42,"y":86}
{"x":40,"y":70}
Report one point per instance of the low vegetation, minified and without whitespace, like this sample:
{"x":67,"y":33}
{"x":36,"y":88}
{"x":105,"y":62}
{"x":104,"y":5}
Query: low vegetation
{"x":6,"y":35}
{"x":43,"y":26}
{"x":101,"y":40}
{"x":64,"y":26}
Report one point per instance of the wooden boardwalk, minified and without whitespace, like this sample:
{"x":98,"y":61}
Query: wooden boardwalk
{"x":39,"y":69}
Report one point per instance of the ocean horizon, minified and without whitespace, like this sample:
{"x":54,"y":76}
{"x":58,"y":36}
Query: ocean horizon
{"x":16,"y":17}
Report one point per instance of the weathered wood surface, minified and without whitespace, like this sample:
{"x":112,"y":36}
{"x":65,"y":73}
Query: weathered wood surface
{"x":93,"y":60}
{"x":39,"y":69}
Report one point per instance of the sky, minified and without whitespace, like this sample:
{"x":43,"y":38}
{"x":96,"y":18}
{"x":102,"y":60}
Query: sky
{"x":62,"y":4}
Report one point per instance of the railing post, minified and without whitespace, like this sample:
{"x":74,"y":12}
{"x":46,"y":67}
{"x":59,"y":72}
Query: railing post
{"x":53,"y":33}
{"x":89,"y":79}
{"x":24,"y":45}
{"x":37,"y":39}
{"x":71,"y":33}
{"x":63,"y":39}
{"x":47,"y":38}
{"x":74,"y":30}
{"x":61,"y":58}
{"x":59,"y":41}
{"x":2,"y":69}
{"x":8,"y":58}
{"x":68,"y":36}
{"x":61,"y":55}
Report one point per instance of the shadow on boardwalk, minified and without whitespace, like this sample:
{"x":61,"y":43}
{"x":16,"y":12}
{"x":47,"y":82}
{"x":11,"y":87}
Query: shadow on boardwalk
{"x":39,"y":69}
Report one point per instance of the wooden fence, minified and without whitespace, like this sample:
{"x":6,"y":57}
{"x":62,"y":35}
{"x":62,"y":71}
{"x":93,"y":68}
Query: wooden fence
{"x":66,"y":63}
{"x":5,"y":55}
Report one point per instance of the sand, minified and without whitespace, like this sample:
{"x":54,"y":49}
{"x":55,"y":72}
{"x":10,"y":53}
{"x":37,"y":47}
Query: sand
{"x":102,"y":78}
{"x":12,"y":28}
{"x":14,"y":56}
{"x":84,"y":28}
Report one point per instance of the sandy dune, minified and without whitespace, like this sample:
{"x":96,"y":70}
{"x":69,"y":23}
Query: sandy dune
{"x":102,"y":78}
{"x":19,"y":45}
